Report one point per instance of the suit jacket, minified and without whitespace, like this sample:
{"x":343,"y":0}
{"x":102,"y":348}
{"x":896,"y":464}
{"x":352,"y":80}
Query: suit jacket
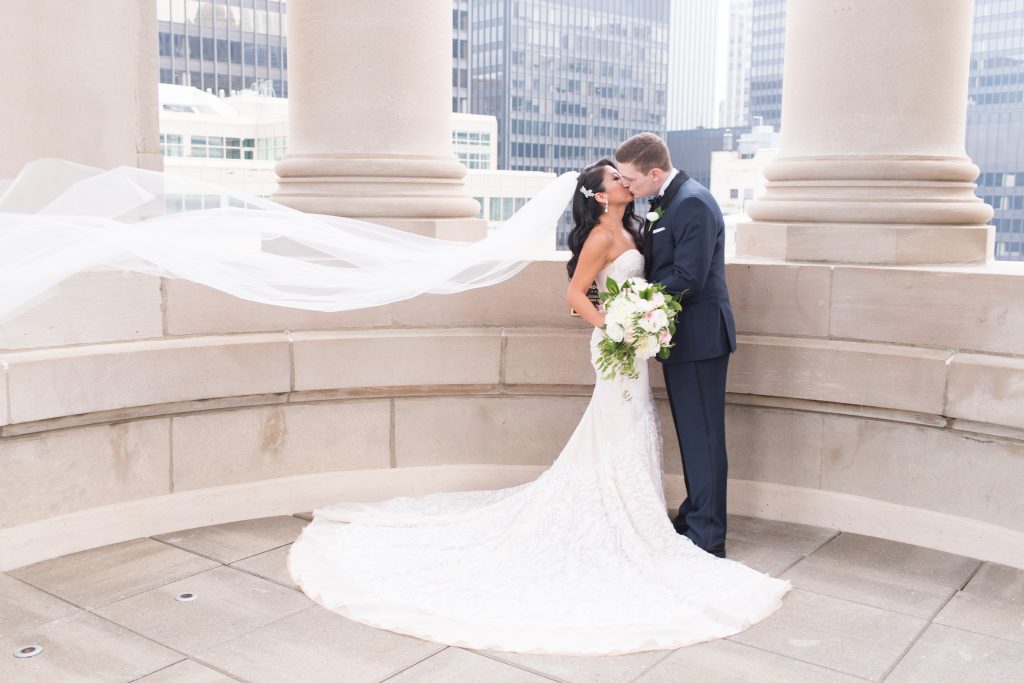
{"x":685,"y":251}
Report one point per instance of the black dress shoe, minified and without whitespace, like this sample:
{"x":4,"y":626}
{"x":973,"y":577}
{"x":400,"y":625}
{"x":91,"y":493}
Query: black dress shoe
{"x":680,"y":525}
{"x":718,"y":551}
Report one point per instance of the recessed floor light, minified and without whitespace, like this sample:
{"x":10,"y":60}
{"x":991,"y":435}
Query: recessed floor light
{"x":28,"y":651}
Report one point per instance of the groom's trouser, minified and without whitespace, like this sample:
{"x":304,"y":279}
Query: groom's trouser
{"x":696,"y":394}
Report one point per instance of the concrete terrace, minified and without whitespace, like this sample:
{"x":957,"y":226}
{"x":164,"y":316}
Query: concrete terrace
{"x":862,"y":609}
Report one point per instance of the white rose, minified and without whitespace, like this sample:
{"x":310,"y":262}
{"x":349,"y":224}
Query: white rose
{"x":658,"y":299}
{"x":648,"y":347}
{"x":652,"y":216}
{"x":647,"y":322}
{"x":617,"y":315}
{"x":614,"y":332}
{"x":659,"y":319}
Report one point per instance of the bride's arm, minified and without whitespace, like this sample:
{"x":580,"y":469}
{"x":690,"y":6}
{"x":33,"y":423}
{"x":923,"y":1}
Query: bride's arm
{"x":592,"y":259}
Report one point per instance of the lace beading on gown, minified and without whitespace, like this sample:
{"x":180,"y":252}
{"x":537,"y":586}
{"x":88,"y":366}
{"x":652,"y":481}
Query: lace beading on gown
{"x":583,"y":560}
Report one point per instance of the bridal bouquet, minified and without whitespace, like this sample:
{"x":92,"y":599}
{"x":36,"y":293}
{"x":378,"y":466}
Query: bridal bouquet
{"x":639,"y":323}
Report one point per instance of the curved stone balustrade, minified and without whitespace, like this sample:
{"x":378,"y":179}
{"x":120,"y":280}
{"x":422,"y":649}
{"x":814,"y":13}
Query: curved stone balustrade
{"x":883,"y":401}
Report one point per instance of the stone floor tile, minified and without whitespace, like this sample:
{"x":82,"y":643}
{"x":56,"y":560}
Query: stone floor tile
{"x":228,"y":604}
{"x":992,"y":603}
{"x":186,"y":671}
{"x":456,"y":664}
{"x":763,"y":558}
{"x":23,"y":607}
{"x":612,"y":669}
{"x":83,"y":647}
{"x":91,"y":578}
{"x":317,"y":645}
{"x":272,"y":565}
{"x":237,"y":540}
{"x":836,"y":634}
{"x":874,"y":571}
{"x":945,"y":654}
{"x":798,"y":538}
{"x":723,"y":661}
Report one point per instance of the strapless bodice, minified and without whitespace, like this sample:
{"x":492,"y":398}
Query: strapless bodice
{"x":629,"y":263}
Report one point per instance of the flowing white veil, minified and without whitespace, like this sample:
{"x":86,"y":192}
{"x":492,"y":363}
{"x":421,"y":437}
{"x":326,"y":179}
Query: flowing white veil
{"x":58,"y":218}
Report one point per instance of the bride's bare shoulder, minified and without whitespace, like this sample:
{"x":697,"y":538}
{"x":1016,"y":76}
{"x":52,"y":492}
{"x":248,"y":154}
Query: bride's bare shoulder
{"x":600,"y":240}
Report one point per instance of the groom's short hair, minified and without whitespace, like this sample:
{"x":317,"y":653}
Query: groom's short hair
{"x":645,"y":151}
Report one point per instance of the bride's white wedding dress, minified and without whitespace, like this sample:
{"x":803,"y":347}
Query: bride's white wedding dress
{"x":583,"y":560}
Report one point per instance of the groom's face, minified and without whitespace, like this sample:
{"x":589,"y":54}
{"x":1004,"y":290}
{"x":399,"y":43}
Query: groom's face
{"x":641,"y":184}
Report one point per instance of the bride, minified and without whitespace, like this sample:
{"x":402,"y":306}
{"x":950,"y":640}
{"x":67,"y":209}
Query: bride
{"x":582,"y":561}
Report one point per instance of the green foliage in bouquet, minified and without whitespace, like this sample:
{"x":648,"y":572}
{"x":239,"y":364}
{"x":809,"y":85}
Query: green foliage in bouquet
{"x":618,"y":356}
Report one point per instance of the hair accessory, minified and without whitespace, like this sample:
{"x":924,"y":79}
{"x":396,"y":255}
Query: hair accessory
{"x":586,"y":193}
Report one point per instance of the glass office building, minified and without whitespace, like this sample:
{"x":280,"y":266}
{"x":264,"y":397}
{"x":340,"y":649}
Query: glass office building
{"x":222,"y":46}
{"x":767,"y":44}
{"x":568,"y":80}
{"x":460,"y":56}
{"x":995,"y":118}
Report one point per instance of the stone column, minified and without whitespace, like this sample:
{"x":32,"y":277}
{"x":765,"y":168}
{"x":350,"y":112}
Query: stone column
{"x":370,"y":116}
{"x":80,"y":83}
{"x":872,"y":166}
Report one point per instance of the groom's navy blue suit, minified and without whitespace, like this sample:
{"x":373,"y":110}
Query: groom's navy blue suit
{"x":685,"y":251}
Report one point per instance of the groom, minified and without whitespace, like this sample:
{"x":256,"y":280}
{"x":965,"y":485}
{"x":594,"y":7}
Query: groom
{"x":684,"y":250}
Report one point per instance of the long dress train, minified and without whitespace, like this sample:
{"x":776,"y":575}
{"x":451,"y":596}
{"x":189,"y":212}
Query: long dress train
{"x":582,"y":561}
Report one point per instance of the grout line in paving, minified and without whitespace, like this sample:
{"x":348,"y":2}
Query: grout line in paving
{"x":163,"y":668}
{"x":141,"y":635}
{"x":265,"y":578}
{"x":189,"y":550}
{"x":858,"y":602}
{"x":796,"y":659}
{"x":198,"y":656}
{"x":515,"y":665}
{"x":977,"y":569}
{"x":646,"y":671}
{"x":43,"y":590}
{"x":442,"y":647}
{"x":219,"y":670}
{"x":910,"y":645}
{"x":978,"y":633}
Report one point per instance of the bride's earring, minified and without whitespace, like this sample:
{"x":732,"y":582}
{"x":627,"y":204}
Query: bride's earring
{"x":606,"y":207}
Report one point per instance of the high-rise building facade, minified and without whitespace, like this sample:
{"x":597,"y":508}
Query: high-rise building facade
{"x":767,"y":43}
{"x":460,"y":55}
{"x":995,"y":118}
{"x":224,"y":46}
{"x":736,"y":106}
{"x":568,"y":80}
{"x":696,"y":64}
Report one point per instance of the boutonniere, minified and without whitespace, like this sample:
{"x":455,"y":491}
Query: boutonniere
{"x":653,"y":216}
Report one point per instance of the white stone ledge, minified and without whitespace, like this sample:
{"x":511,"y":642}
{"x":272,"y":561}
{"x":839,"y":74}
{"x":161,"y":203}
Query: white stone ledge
{"x":968,"y":309}
{"x":856,"y":373}
{"x":988,"y":389}
{"x":36,"y":541}
{"x":51,"y":389}
{"x":395,"y":358}
{"x":780,"y":298}
{"x":92,"y":307}
{"x":56,"y":382}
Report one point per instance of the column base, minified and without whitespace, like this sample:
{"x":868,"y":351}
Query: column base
{"x":375,"y":188}
{"x":867,"y":243}
{"x":459,"y":229}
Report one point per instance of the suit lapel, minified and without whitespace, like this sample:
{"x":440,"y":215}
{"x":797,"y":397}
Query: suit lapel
{"x":648,"y":235}
{"x":673,"y":189}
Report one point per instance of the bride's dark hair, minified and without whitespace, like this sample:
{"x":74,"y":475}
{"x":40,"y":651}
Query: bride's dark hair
{"x":586,"y":211}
